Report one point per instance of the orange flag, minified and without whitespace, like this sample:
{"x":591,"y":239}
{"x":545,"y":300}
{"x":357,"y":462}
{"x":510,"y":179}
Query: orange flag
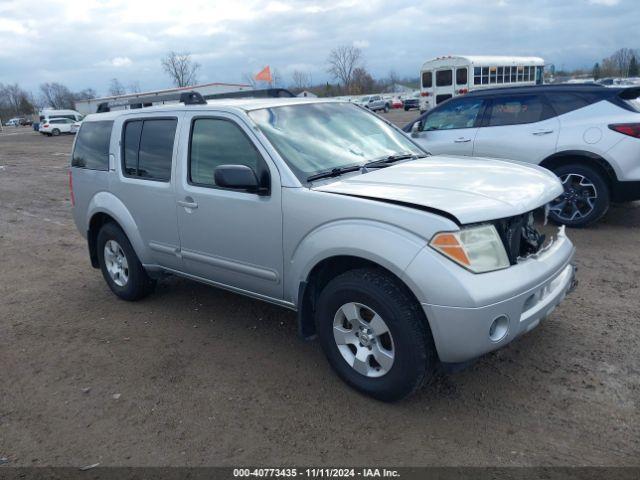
{"x":264,"y":75}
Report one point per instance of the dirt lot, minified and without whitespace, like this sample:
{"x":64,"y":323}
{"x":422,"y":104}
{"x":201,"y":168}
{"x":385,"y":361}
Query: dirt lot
{"x":197,"y":376}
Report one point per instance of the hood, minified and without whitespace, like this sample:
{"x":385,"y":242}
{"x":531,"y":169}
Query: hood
{"x":469,"y":188}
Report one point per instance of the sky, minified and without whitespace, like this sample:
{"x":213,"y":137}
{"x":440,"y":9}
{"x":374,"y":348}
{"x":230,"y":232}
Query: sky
{"x":86,"y":43}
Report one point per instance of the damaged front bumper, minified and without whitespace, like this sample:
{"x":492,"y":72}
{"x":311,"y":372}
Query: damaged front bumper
{"x":508,"y":303}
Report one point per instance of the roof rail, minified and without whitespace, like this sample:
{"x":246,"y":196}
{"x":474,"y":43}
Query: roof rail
{"x":188,"y":98}
{"x":261,"y":93}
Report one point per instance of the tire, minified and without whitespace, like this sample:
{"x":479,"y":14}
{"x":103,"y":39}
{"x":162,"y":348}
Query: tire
{"x":386,"y":108}
{"x":408,"y":342}
{"x":586,"y":198}
{"x":406,"y":109}
{"x":55,"y":132}
{"x":132,"y":283}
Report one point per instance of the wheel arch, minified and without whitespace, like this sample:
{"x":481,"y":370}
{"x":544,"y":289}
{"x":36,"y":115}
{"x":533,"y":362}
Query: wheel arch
{"x":593,"y":160}
{"x":321,"y":274}
{"x":106,"y":207}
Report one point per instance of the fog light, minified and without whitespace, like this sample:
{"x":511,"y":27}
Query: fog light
{"x":498,"y":328}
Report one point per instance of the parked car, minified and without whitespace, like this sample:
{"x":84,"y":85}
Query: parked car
{"x":412,"y":102}
{"x":12,"y":122}
{"x":48,"y":113}
{"x":396,"y":260}
{"x":396,"y":102}
{"x":588,"y":135}
{"x":56,"y":126}
{"x":374,"y":103}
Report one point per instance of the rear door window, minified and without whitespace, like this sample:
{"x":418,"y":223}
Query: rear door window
{"x":517,"y":110}
{"x":444,"y":78}
{"x":92,"y":146}
{"x":151,"y":158}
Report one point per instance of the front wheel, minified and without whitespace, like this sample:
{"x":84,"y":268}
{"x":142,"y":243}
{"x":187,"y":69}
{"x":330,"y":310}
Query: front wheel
{"x":55,"y":132}
{"x":374,"y":334}
{"x":585,"y":199}
{"x":386,"y":109}
{"x":120,"y":265}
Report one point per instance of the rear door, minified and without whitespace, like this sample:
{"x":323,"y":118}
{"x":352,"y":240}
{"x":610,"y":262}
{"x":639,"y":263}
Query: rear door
{"x":451,"y":128}
{"x":517,"y":127}
{"x":146,"y":183}
{"x":444,"y":85}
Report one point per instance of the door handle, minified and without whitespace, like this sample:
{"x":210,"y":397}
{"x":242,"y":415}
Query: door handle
{"x":542,"y":132}
{"x":462,"y":140}
{"x":188,"y":203}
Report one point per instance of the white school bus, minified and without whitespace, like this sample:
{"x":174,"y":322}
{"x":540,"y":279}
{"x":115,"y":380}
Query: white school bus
{"x":444,"y":77}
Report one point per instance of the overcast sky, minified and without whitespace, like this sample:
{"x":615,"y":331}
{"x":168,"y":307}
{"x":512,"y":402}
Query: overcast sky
{"x":85,"y":43}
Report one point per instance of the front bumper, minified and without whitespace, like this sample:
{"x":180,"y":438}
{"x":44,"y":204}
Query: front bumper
{"x":520,"y":297}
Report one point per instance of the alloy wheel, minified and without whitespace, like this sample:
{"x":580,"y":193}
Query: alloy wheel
{"x":116,"y":262}
{"x":363,"y":339}
{"x":577,"y":201}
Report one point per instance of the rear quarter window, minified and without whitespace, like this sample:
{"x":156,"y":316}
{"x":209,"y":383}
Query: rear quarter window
{"x":92,"y":146}
{"x":567,"y":102}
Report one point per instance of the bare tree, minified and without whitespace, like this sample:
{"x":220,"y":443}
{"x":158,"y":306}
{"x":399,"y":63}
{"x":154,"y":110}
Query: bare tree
{"x":181,"y":68}
{"x":342,"y":62}
{"x":56,"y":95}
{"x":301,"y":80}
{"x":134,"y":87}
{"x":86,"y":94}
{"x":116,"y":88}
{"x":362,"y":81}
{"x":621,"y":59}
{"x":15,"y":101}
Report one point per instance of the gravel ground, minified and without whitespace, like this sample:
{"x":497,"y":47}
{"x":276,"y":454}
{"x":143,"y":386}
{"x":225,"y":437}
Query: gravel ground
{"x":193,"y":375}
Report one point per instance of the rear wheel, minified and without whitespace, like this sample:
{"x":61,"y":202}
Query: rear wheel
{"x":374,"y":334}
{"x":120,"y":265}
{"x":386,"y":108}
{"x":585,"y":199}
{"x":55,"y":132}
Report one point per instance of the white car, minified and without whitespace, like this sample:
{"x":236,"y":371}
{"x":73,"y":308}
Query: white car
{"x":76,"y":126}
{"x":56,"y":126}
{"x":588,"y":135}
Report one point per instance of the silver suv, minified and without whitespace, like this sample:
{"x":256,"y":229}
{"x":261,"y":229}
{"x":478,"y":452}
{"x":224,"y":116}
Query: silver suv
{"x":395,"y":259}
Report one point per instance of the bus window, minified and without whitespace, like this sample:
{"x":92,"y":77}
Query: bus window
{"x":444,"y":78}
{"x":477,"y":75}
{"x":539,"y":75}
{"x":427,"y":81}
{"x":461,"y":76}
{"x":514,"y":74}
{"x":443,"y":97}
{"x":500,"y":75}
{"x":485,"y":75}
{"x":492,"y":74}
{"x":520,"y":72}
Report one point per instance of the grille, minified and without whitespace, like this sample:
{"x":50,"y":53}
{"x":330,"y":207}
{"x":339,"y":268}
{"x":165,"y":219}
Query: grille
{"x":520,"y":235}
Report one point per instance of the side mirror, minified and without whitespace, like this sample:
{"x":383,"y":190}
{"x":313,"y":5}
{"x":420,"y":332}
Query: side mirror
{"x":237,"y":177}
{"x":415,"y":128}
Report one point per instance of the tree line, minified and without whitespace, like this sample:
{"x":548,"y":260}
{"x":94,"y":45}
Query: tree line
{"x":622,"y":63}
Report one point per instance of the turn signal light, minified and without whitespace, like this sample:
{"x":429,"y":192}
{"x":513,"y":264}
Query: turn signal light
{"x":448,"y":244}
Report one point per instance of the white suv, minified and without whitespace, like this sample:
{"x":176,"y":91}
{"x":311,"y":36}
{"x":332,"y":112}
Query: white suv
{"x":56,"y":126}
{"x":587,"y":134}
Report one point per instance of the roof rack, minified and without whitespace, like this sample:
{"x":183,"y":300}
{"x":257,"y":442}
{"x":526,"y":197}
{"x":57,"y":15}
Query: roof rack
{"x":261,"y":93}
{"x":188,"y":98}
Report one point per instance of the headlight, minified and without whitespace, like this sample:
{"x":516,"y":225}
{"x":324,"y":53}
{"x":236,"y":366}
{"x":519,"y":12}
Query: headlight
{"x":478,"y":249}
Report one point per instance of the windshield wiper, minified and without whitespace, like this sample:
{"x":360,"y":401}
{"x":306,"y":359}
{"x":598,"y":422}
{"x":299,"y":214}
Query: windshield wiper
{"x":334,"y":172}
{"x":385,"y":161}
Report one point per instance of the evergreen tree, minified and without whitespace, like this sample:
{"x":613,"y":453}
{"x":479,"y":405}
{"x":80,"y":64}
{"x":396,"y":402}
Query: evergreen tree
{"x":596,"y":71}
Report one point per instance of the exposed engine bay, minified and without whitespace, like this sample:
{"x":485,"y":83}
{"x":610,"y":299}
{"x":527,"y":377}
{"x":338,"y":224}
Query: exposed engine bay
{"x":521,"y":236}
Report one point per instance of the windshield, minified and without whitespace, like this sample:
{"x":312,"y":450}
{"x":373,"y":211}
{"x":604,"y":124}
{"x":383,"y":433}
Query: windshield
{"x":318,"y":137}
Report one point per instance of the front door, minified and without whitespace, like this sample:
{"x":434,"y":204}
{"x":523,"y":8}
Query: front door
{"x":451,"y":128}
{"x":230,"y":237}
